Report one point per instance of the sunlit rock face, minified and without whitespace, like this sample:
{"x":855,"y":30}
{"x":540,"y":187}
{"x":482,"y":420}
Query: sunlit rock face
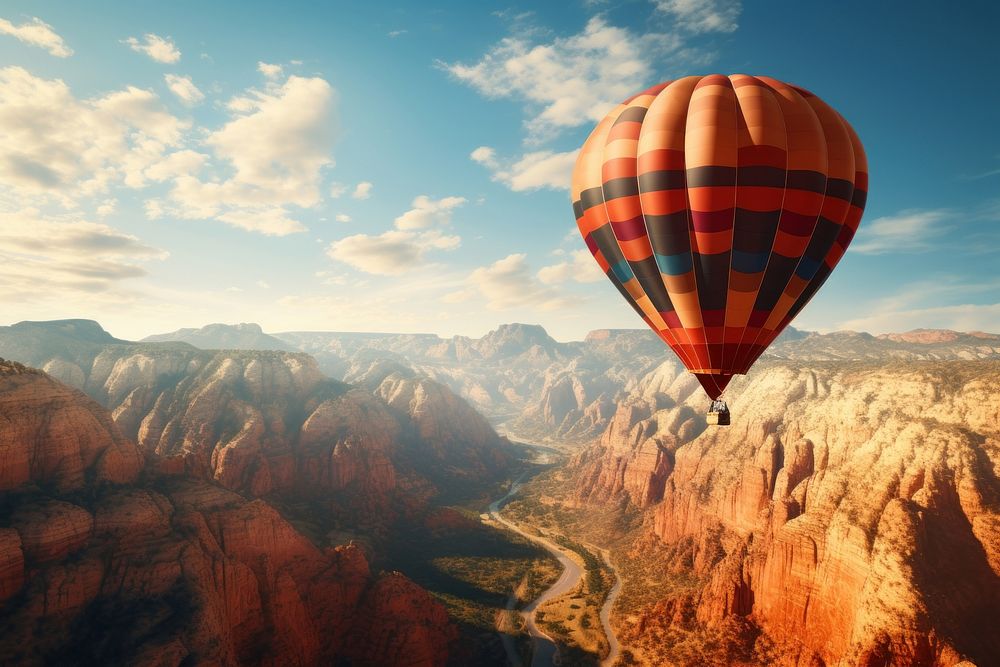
{"x":851,"y":511}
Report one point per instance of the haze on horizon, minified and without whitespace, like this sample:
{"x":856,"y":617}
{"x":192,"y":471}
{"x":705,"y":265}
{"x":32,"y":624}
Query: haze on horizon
{"x":399,"y":170}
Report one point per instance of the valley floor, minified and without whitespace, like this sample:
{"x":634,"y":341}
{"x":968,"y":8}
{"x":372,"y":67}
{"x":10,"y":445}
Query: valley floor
{"x":569,"y":622}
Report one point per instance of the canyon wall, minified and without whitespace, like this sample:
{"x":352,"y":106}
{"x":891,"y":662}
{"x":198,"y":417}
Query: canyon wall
{"x":851,"y":512}
{"x":103,"y":561}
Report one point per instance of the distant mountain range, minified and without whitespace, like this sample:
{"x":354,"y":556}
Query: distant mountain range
{"x":519,"y":376}
{"x":224,"y":337}
{"x":530,"y":343}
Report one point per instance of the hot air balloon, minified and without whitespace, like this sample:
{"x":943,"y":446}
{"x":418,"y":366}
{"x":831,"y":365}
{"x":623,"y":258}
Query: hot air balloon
{"x":718,"y":206}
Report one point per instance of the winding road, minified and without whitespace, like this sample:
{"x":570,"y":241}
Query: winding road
{"x":545,"y":653}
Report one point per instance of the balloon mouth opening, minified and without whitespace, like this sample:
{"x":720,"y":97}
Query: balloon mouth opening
{"x":714,"y":383}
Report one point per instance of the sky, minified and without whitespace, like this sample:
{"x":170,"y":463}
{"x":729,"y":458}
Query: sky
{"x":404,"y":167}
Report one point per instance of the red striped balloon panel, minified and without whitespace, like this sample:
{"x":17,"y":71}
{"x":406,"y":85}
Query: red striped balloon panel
{"x":718,"y":206}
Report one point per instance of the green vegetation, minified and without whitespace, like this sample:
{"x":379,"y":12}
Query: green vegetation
{"x":599,"y":579}
{"x":572,"y":620}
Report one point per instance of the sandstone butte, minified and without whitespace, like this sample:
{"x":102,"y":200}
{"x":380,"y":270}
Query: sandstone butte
{"x":183,"y":570}
{"x":851,"y":512}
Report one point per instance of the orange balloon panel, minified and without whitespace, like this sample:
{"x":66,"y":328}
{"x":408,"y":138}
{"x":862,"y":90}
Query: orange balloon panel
{"x":718,"y":206}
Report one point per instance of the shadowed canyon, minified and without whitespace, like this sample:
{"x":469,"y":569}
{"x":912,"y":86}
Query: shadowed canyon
{"x":226,"y":496}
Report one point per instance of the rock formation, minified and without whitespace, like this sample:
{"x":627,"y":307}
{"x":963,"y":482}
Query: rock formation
{"x":245,"y":336}
{"x":100,"y":564}
{"x":74,"y":440}
{"x":851,"y":512}
{"x":566,"y":392}
{"x":264,"y":422}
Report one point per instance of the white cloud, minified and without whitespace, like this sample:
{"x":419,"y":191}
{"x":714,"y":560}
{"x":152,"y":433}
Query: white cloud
{"x":337,"y":190}
{"x":55,"y":145}
{"x":401,"y":249}
{"x":581,"y":268}
{"x":268,"y":157}
{"x":907,"y":231}
{"x":154,"y":209}
{"x":42,"y":258}
{"x":391,"y":253}
{"x":509,"y":283}
{"x":267,"y":221}
{"x":342,"y":217}
{"x":139,"y":109}
{"x":363,"y":190}
{"x":37,"y":33}
{"x":536,"y":170}
{"x":959,"y":317}
{"x":278,"y":149}
{"x":939,"y":300}
{"x":427,"y":212}
{"x":268,"y":70}
{"x":458,"y":296}
{"x":184,"y":89}
{"x":176,"y":164}
{"x":160,"y":49}
{"x":263,"y":284}
{"x":570,"y":81}
{"x":980,"y":175}
{"x":532,"y":171}
{"x":701,"y":16}
{"x":331,"y":278}
{"x":107,"y":207}
{"x":397,"y":33}
{"x":485,"y":156}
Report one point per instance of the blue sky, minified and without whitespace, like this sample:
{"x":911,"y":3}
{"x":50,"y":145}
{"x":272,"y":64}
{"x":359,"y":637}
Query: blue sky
{"x":386,"y":167}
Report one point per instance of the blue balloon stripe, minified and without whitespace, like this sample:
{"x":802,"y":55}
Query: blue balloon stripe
{"x":674,"y":265}
{"x":622,"y":271}
{"x":807,"y":267}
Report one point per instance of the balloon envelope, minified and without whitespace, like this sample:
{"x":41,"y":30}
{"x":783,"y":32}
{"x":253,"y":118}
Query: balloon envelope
{"x":718,"y":206}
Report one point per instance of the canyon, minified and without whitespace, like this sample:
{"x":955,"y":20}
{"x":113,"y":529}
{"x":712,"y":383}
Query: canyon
{"x":220,"y":507}
{"x":184,"y":570}
{"x":850,"y":515}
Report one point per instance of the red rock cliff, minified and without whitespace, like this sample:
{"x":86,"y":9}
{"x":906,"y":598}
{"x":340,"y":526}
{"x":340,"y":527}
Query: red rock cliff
{"x":72,"y":440}
{"x":851,"y":511}
{"x":100,"y":566}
